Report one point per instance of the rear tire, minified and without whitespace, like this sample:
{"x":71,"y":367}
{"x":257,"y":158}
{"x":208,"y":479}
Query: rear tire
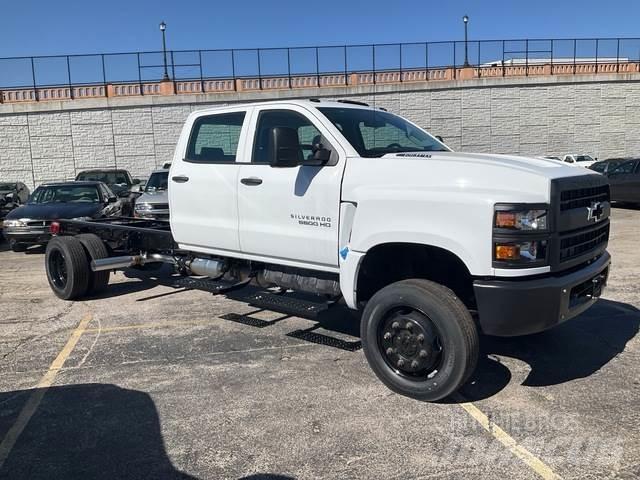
{"x":419,"y":339}
{"x":67,"y":265}
{"x":96,"y":250}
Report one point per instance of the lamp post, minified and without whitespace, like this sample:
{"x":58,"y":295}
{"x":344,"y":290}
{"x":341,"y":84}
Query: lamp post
{"x":465,"y":19}
{"x":163,"y":27}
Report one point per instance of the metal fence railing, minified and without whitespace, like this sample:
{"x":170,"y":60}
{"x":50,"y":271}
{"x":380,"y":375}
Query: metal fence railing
{"x":190,"y":71}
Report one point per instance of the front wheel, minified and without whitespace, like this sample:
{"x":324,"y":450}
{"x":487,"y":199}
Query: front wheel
{"x":419,"y":339}
{"x":18,"y":247}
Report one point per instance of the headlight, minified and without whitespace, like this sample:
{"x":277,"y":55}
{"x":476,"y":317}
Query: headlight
{"x":14,"y":223}
{"x":143,"y":207}
{"x":525,"y":219}
{"x":521,"y":235}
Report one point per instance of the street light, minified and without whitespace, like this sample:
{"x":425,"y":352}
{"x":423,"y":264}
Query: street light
{"x":163,"y":27}
{"x":465,"y":19}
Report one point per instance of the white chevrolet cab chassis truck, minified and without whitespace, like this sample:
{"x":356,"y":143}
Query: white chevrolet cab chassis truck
{"x":346,"y":201}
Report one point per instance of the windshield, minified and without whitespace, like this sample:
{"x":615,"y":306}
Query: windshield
{"x":374,"y":133}
{"x":157,"y":181}
{"x":65,"y":194}
{"x":584,"y":158}
{"x":110,"y":178}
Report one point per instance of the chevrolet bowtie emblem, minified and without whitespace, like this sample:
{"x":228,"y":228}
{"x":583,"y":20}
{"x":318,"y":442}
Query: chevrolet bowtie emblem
{"x":595,"y":211}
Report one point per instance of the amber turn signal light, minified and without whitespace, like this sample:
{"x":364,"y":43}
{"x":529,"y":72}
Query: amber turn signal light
{"x":507,"y":252}
{"x":505,"y":220}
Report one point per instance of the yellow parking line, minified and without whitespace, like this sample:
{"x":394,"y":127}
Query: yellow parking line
{"x":41,"y":388}
{"x":508,"y":441}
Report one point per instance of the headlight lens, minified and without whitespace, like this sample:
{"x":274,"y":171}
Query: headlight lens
{"x":536,"y":219}
{"x":143,"y":207}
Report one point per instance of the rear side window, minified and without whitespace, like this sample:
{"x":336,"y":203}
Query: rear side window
{"x":214,"y":138}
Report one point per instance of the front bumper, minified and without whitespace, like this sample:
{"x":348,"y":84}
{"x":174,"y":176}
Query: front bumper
{"x":27,"y":234}
{"x":521,"y":307}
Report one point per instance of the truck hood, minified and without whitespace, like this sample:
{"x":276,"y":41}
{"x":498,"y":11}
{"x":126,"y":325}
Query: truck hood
{"x":154,"y":197}
{"x":490,"y":177}
{"x":537,"y":166}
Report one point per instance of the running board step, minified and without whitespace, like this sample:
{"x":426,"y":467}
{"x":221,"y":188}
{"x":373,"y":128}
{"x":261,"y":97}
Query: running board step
{"x":289,"y":305}
{"x":208,"y":285}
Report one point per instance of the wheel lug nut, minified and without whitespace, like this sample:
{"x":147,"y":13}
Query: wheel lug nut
{"x":409,"y":326}
{"x":414,"y":364}
{"x":387,"y":336}
{"x":421,"y":338}
{"x":401,"y":363}
{"x":395,"y":325}
{"x":389,"y":351}
{"x":423,"y":354}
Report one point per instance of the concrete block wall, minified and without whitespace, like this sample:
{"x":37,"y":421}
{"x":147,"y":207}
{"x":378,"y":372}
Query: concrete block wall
{"x":598,"y":116}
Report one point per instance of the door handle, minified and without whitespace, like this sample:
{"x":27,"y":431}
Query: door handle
{"x":180,"y":179}
{"x":251,"y":181}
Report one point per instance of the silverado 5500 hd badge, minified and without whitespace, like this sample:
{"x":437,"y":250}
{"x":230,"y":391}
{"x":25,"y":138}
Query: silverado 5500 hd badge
{"x":312,"y":220}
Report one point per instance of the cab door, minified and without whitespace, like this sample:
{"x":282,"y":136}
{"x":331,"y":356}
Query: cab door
{"x":203,"y":182}
{"x":290,"y":215}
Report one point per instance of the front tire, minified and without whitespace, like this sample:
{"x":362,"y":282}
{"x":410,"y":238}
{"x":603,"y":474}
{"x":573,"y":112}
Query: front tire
{"x":419,"y":339}
{"x":67,"y":266}
{"x":18,"y":247}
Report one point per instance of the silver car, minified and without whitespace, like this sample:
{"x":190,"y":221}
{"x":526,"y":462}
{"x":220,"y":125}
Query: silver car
{"x":154,"y":202}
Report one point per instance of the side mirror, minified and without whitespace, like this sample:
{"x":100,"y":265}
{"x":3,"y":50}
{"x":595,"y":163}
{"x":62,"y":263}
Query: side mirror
{"x":112,"y":199}
{"x":439,"y":138}
{"x":285,"y":147}
{"x":123,"y":194}
{"x":136,"y":181}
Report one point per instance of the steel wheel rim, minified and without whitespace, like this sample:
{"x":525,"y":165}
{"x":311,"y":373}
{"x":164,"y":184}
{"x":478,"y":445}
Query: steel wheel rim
{"x":410,"y":343}
{"x":58,"y":269}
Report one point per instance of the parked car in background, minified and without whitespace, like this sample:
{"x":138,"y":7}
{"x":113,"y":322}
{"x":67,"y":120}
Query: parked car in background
{"x":154,"y":202}
{"x":12,"y":195}
{"x":29,"y":224}
{"x":119,"y":181}
{"x":624,"y":182}
{"x":579,"y":160}
{"x":606,"y":166}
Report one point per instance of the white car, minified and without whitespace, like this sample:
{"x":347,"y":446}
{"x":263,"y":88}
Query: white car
{"x":579,"y":160}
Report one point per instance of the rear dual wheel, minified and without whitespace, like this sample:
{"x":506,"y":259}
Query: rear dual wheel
{"x":419,"y":339}
{"x":67,"y":262}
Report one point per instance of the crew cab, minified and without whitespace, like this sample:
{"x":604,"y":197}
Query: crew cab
{"x":348,"y":201}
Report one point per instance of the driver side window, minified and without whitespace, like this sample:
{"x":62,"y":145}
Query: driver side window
{"x":308,"y":134}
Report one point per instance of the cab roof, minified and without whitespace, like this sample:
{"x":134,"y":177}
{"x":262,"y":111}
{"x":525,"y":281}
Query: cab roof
{"x":310,"y":102}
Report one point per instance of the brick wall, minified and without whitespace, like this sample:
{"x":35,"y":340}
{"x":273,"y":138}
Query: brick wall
{"x":601,"y":118}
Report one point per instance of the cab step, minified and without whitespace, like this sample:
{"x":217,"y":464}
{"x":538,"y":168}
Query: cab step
{"x":208,"y":285}
{"x":284,"y":304}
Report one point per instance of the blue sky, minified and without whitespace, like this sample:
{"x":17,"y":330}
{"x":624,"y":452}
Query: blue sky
{"x":45,"y":27}
{"x":67,"y":27}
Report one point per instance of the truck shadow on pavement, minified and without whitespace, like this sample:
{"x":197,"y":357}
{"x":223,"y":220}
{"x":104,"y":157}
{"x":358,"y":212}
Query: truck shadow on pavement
{"x":84,"y":431}
{"x":89,"y":431}
{"x":575,"y":349}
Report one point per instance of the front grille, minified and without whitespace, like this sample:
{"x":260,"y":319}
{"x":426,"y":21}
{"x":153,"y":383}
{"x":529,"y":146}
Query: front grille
{"x":583,"y":197}
{"x":160,"y":206}
{"x":581,"y":242}
{"x":38,"y":223}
